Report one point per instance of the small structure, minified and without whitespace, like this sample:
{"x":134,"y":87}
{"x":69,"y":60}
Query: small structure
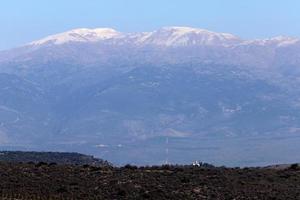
{"x":196,"y":163}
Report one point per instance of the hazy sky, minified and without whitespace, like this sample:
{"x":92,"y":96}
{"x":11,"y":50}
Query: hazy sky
{"x":22,"y":21}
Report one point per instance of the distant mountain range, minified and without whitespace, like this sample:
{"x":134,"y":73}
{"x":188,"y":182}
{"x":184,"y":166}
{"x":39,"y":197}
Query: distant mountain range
{"x":217,"y":97}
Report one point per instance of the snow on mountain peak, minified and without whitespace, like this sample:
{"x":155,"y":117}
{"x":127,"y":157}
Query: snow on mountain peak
{"x":172,"y":36}
{"x":284,"y":41}
{"x":79,"y":35}
{"x":279,"y":41}
{"x":182,"y":36}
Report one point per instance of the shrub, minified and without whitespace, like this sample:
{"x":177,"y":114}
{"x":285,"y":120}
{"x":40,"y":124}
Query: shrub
{"x":128,"y":166}
{"x":294,"y":166}
{"x":40,"y":164}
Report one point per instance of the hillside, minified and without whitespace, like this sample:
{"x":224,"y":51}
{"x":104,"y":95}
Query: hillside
{"x":50,"y":157}
{"x":30,"y":181}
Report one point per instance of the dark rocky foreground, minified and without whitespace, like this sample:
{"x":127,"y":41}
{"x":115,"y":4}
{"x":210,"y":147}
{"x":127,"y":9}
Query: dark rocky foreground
{"x":50,"y":181}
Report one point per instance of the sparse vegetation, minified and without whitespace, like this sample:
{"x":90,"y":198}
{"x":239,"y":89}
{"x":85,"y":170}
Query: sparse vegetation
{"x":49,"y":181}
{"x":40,"y":158}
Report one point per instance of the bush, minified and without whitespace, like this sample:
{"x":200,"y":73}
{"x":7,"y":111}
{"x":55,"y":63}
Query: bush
{"x":294,"y":166}
{"x":132,"y":167}
{"x":52,"y":164}
{"x":41,"y":164}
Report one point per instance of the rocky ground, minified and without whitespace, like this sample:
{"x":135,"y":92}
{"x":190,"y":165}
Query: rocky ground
{"x":50,"y":181}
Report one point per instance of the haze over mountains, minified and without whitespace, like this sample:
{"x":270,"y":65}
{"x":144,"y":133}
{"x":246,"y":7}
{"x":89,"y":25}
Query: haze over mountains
{"x":218,"y":98}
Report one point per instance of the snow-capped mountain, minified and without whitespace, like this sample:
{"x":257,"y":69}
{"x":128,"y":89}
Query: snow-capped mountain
{"x":279,"y":41}
{"x":79,"y":35}
{"x":186,"y":36}
{"x":126,"y":92}
{"x":167,"y":36}
{"x":168,"y":44}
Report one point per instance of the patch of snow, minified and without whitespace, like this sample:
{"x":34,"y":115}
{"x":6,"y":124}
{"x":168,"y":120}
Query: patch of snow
{"x":182,"y":36}
{"x":278,"y":41}
{"x":79,"y":35}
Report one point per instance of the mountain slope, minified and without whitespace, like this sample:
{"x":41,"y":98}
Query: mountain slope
{"x":99,"y":91}
{"x":44,"y":158}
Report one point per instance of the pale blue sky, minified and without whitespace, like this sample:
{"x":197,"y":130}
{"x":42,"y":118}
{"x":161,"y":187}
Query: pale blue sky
{"x":22,"y":21}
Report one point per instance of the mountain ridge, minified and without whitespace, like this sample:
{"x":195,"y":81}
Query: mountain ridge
{"x":166,"y":45}
{"x":98,"y":34}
